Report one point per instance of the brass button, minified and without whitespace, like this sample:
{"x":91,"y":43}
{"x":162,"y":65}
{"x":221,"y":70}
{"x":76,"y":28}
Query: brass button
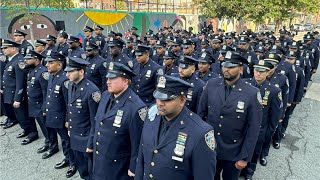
{"x":97,"y":152}
{"x":101,"y":123}
{"x":98,"y":133}
{"x":221,"y":117}
{"x":97,"y":143}
{"x":70,"y":127}
{"x":152,"y":163}
{"x":218,"y":134}
{"x":155,"y":151}
{"x":220,"y":125}
{"x":150,"y":175}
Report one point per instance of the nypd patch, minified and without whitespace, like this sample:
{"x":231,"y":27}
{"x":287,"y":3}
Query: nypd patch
{"x":83,"y":56}
{"x":22,"y":65}
{"x":96,"y":96}
{"x":143,"y":113}
{"x":66,"y":84}
{"x":209,"y":138}
{"x":105,"y":64}
{"x":45,"y":75}
{"x":280,"y":95}
{"x":160,"y":72}
{"x":259,"y":97}
{"x":152,"y":112}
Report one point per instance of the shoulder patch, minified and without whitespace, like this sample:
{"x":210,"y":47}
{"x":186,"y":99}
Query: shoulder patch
{"x":152,"y":112}
{"x":280,"y":95}
{"x":21,"y":65}
{"x":287,"y":82}
{"x":209,"y":138}
{"x":294,"y":68}
{"x":105,"y":64}
{"x":83,"y":56}
{"x":3,"y":58}
{"x":96,"y":96}
{"x":45,"y":75}
{"x":66,"y":83}
{"x":143,"y":113}
{"x":259,"y":97}
{"x":160,"y":72}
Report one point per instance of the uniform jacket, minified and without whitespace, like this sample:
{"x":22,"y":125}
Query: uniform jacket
{"x":97,"y":71}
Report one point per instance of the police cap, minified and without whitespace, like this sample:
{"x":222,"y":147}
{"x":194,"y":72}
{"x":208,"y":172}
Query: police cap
{"x":262,"y":66}
{"x":30,"y":54}
{"x":117,"y":69}
{"x":233,"y":59}
{"x":74,"y":63}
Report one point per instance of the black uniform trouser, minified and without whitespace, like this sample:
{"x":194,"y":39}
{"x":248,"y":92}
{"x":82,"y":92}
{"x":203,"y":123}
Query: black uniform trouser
{"x":229,"y":170}
{"x":286,"y":118}
{"x":9,"y":112}
{"x":42,"y":123}
{"x":65,"y":141}
{"x":252,"y":165}
{"x":84,"y":163}
{"x":266,"y":143}
{"x":27,"y":123}
{"x":2,"y":108}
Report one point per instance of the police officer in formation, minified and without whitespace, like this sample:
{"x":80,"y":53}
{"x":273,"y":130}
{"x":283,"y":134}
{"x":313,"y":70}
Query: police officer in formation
{"x":118,"y":125}
{"x":83,"y":100}
{"x":279,"y":68}
{"x":234,"y":110}
{"x":96,"y":71}
{"x":56,"y":111}
{"x":175,"y":143}
{"x":37,"y":84}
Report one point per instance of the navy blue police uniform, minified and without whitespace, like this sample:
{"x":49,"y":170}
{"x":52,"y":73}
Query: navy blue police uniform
{"x":14,"y":90}
{"x":87,"y":41}
{"x":144,"y":83}
{"x":51,"y":47}
{"x":56,"y":112}
{"x":83,"y":99}
{"x":194,"y":93}
{"x":78,"y":51}
{"x":25,"y":44}
{"x":121,"y":57}
{"x":100,"y":39}
{"x":168,"y":70}
{"x":235,"y":112}
{"x":206,"y":58}
{"x":179,"y":148}
{"x":119,"y":123}
{"x":272,"y":111}
{"x":63,"y":48}
{"x":37,"y":83}
{"x":96,"y":72}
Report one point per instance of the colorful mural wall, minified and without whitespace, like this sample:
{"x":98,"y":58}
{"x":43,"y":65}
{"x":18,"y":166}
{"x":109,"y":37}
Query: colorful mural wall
{"x":49,"y":21}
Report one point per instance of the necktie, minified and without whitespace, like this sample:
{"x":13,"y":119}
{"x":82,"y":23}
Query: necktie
{"x":163,"y":129}
{"x":228,"y":91}
{"x":110,"y":104}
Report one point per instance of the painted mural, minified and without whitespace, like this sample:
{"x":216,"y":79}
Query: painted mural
{"x":49,"y":21}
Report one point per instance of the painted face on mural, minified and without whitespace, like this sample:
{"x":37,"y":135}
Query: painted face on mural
{"x":41,"y":26}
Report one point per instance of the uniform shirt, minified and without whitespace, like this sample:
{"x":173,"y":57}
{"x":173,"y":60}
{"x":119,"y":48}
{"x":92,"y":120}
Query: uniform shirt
{"x":117,"y":135}
{"x":14,"y":79}
{"x":83,"y":100}
{"x":170,"y":70}
{"x":158,"y":59}
{"x":144,"y":83}
{"x":288,"y":70}
{"x":187,"y":147}
{"x":129,"y":53}
{"x":57,"y":100}
{"x":236,"y":120}
{"x":272,"y":105}
{"x":205,"y":77}
{"x":78,"y":52}
{"x":37,"y":85}
{"x":52,"y":47}
{"x":96,"y":72}
{"x":100,"y":40}
{"x":87,"y":41}
{"x":63,"y":49}
{"x":24,"y":46}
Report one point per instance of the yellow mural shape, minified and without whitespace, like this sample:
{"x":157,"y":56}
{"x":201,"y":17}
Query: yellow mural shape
{"x":105,"y":18}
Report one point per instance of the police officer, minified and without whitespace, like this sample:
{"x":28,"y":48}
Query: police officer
{"x":216,"y":66}
{"x":96,"y":72}
{"x":100,"y":38}
{"x":204,"y":73}
{"x":216,"y":45}
{"x":56,"y":111}
{"x":129,"y":51}
{"x":40,"y":47}
{"x":188,"y":48}
{"x":235,"y":112}
{"x":246,"y":52}
{"x":280,"y":81}
{"x":160,"y":52}
{"x":168,"y":63}
{"x":14,"y":92}
{"x":146,"y":70}
{"x":88,"y":38}
{"x":105,"y":52}
{"x":37,"y":92}
{"x":51,"y":43}
{"x":175,"y":143}
{"x":62,"y":47}
{"x":115,"y":49}
{"x":19,"y":37}
{"x":83,"y":100}
{"x":74,"y":48}
{"x":119,"y":122}
{"x":272,"y":111}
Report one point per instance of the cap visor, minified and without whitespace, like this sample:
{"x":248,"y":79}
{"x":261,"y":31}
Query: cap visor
{"x":68,"y":69}
{"x":138,"y":53}
{"x":162,"y":96}
{"x":229,"y":64}
{"x":28,"y":57}
{"x":111,"y":75}
{"x":181,"y":65}
{"x":260,"y":69}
